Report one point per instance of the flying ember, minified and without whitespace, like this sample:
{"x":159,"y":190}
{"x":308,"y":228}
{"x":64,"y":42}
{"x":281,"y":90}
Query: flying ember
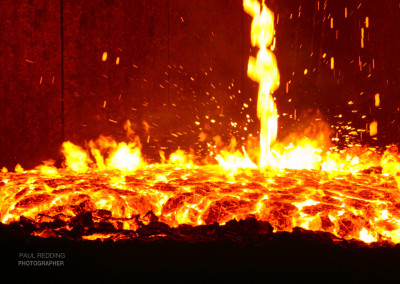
{"x":107,"y":189}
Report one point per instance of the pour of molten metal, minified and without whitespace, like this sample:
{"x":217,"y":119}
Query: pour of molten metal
{"x":264,"y":69}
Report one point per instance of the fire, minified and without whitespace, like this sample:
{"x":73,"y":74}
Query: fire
{"x":263,"y":69}
{"x":121,"y":156}
{"x":75,"y":158}
{"x":125,"y":158}
{"x":110,"y":182}
{"x":232,"y":162}
{"x":349,"y":204}
{"x":352,"y":193}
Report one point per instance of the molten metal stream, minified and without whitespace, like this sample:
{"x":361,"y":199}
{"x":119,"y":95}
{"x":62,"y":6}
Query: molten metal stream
{"x":264,"y":70}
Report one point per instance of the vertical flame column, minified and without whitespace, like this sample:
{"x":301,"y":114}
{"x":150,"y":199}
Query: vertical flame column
{"x":264,"y":69}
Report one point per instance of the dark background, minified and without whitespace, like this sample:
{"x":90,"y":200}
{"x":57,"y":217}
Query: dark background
{"x":186,"y":61}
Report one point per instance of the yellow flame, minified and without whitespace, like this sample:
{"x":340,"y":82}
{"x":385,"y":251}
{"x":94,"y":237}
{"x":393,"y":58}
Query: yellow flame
{"x":19,"y":169}
{"x":126,"y":157}
{"x":76,"y":158}
{"x":107,"y":153}
{"x":181,"y":158}
{"x":48,"y":168}
{"x":264,"y":69}
{"x":234,"y":161}
{"x":303,"y":156}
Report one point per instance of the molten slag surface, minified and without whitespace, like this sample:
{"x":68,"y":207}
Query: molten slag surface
{"x":364,"y":205}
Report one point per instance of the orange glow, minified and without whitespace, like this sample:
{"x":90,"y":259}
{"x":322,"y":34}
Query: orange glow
{"x":332,"y":195}
{"x":377,"y":100}
{"x":104,"y":57}
{"x":373,"y":128}
{"x":300,"y":182}
{"x":362,"y":37}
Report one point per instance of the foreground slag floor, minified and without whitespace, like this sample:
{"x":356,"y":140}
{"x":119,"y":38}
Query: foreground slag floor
{"x":363,"y":206}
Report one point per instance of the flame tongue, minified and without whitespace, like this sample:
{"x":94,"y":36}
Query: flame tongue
{"x":263,"y":69}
